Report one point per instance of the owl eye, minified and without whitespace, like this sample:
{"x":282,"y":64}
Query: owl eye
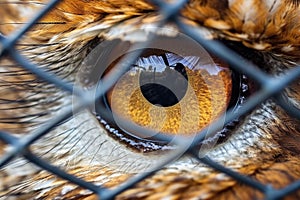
{"x":175,"y":87}
{"x":170,"y":93}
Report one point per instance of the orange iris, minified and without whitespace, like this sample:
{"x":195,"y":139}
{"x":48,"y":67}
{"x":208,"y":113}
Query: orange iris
{"x":172,"y":94}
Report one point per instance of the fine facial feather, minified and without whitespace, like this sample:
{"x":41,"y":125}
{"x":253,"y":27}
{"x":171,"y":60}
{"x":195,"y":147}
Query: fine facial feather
{"x":256,"y":149}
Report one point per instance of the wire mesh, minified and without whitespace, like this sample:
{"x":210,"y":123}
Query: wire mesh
{"x":269,"y":87}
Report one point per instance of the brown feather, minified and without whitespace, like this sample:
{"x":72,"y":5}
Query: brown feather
{"x":271,"y":156}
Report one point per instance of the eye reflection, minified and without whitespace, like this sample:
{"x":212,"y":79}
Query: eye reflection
{"x":171,"y":94}
{"x":164,"y":87}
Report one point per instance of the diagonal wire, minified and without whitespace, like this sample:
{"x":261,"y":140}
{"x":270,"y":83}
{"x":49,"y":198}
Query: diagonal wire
{"x":270,"y":87}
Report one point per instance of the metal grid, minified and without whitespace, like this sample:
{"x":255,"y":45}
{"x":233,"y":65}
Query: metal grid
{"x":270,"y":87}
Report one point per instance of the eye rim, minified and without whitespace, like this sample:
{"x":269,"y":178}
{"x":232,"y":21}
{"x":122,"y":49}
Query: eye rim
{"x":130,"y":140}
{"x":236,"y":77}
{"x":110,"y":51}
{"x":105,"y":117}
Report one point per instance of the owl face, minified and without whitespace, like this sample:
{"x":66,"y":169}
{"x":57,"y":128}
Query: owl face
{"x":150,"y":100}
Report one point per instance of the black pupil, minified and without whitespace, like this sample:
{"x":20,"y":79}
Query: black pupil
{"x":164,"y":88}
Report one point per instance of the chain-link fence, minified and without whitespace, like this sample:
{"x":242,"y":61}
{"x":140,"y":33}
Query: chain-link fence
{"x":270,"y":87}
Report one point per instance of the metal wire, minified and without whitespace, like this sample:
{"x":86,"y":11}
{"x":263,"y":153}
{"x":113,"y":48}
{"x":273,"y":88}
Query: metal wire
{"x":270,"y":87}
